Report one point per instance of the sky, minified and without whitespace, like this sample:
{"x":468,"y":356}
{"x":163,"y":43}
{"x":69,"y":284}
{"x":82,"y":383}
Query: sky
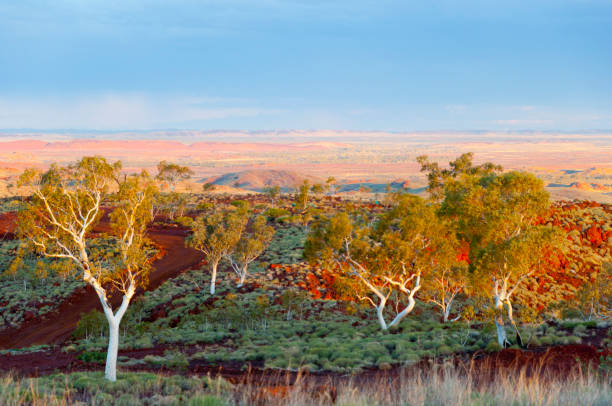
{"x":306,"y":64}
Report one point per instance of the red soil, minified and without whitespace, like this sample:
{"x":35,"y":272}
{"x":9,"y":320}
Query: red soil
{"x":7,"y":225}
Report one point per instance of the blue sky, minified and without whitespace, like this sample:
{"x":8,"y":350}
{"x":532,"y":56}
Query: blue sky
{"x":272,"y":64}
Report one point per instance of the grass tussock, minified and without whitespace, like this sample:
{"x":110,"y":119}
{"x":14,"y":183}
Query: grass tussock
{"x":90,"y":388}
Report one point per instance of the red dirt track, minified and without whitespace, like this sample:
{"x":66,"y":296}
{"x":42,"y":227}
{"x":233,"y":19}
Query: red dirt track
{"x":58,"y":325}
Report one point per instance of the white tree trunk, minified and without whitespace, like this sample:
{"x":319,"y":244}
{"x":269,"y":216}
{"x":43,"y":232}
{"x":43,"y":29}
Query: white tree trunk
{"x":499,"y":322}
{"x":405,"y":312}
{"x":243,"y":275}
{"x":110,"y":372}
{"x":379,"y":312}
{"x":213,"y":277}
{"x":114,"y":321}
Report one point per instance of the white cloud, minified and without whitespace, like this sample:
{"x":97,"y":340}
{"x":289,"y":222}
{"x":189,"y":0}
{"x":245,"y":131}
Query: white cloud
{"x":119,"y":111}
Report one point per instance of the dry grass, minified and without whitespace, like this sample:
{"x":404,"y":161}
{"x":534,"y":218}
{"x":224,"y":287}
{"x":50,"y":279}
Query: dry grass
{"x":440,"y":386}
{"x":446,"y":386}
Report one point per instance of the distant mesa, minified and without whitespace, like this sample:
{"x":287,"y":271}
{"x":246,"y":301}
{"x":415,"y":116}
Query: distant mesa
{"x":258,"y":179}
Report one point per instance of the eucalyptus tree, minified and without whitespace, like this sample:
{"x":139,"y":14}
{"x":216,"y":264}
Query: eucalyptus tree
{"x":317,"y":189}
{"x":64,"y":209}
{"x":301,"y":198}
{"x":496,"y":213}
{"x":172,"y":173}
{"x":216,"y":235}
{"x":273,"y":192}
{"x":387,"y":254}
{"x":252,"y":243}
{"x":169,"y":174}
{"x":595,"y":296}
{"x":331,"y":185}
{"x":447,"y":276}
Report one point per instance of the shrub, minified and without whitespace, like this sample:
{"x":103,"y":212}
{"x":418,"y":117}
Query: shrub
{"x":274,"y":214}
{"x":547,"y":340}
{"x":580,"y":330}
{"x":143,"y":342}
{"x":93,"y":356}
{"x":91,"y":324}
{"x":492,"y":346}
{"x":184,"y":221}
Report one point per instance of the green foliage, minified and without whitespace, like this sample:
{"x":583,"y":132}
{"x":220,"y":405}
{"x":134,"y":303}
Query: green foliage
{"x":172,"y":173}
{"x":273,"y":192}
{"x":91,"y":324}
{"x":286,"y":247}
{"x":277,"y":214}
{"x":171,"y":359}
{"x":34,"y":284}
{"x":217,"y":234}
{"x":95,"y":357}
{"x":184,"y":221}
{"x":137,"y":388}
{"x":252,"y":243}
{"x":301,"y":198}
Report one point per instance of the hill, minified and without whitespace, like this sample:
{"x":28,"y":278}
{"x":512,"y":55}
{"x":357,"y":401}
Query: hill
{"x":257,"y":179}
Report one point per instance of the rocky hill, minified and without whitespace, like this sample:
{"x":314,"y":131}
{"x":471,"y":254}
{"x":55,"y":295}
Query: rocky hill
{"x":258,"y":179}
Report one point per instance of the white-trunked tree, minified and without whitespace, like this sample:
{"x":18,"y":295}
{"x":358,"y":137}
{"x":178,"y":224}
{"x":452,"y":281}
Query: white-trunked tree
{"x":216,"y":236}
{"x":57,"y":222}
{"x":254,"y":240}
{"x":387,"y":255}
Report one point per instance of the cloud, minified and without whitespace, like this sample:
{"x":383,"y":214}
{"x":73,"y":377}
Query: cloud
{"x":112,"y":111}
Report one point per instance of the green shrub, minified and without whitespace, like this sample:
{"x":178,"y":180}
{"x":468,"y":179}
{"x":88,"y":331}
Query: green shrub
{"x":547,"y":340}
{"x":93,"y":357}
{"x":205,"y":206}
{"x":127,"y":400}
{"x":276,"y":213}
{"x":185,"y":221}
{"x":91,"y":324}
{"x":444,"y":350}
{"x":492,"y":346}
{"x":143,"y":342}
{"x":175,"y":359}
{"x":580,"y":330}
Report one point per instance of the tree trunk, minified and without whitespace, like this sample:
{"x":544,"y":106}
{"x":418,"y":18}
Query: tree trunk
{"x":213,"y":277}
{"x":110,"y":371}
{"x":449,"y":306}
{"x":404,"y":313}
{"x":519,"y":339}
{"x":379,"y":312}
{"x":114,"y":320}
{"x":243,"y":275}
{"x":499,"y":322}
{"x":446,"y":313}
